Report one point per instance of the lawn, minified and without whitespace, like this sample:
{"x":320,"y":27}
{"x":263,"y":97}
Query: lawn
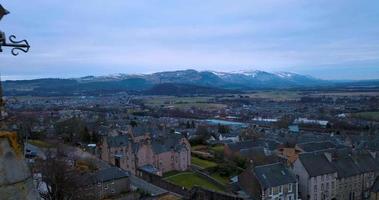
{"x":171,"y":173}
{"x":202,"y":163}
{"x":367,"y":115}
{"x":222,"y":179}
{"x":190,"y":179}
{"x":218,"y":149}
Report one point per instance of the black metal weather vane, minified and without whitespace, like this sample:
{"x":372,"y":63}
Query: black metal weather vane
{"x":21,"y":45}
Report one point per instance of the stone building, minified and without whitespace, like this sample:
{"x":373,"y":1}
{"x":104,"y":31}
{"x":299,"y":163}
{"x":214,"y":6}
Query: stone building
{"x":317,"y":177}
{"x":166,"y":152}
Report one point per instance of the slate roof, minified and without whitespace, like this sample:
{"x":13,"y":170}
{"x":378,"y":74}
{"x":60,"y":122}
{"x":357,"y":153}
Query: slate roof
{"x":168,"y":143}
{"x":316,"y":164}
{"x":345,"y":167}
{"x":149,"y":169}
{"x":108,"y":174}
{"x":269,"y":144}
{"x":366,"y":163}
{"x":316,"y":146}
{"x":273,"y":175}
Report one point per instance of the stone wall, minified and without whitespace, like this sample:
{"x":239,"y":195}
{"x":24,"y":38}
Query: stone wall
{"x":15,"y":178}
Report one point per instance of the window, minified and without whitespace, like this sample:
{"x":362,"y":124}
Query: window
{"x":281,"y":189}
{"x":315,"y":188}
{"x":290,"y":187}
{"x":322,"y":187}
{"x":275,"y":190}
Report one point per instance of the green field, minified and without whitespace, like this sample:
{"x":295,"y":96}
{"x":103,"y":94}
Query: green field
{"x":367,"y":115}
{"x":183,"y":102}
{"x":276,"y":95}
{"x":202,"y":163}
{"x":190,"y":179}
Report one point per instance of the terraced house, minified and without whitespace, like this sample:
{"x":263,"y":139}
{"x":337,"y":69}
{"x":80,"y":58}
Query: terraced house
{"x":316,"y":176}
{"x":165,"y":153}
{"x":336,"y":175}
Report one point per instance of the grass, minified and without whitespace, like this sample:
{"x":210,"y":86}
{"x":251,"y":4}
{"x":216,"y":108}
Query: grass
{"x":218,"y":149}
{"x":222,"y":179}
{"x":367,"y":115}
{"x":40,"y":143}
{"x":202,"y":163}
{"x":171,"y":173}
{"x":190,"y":179}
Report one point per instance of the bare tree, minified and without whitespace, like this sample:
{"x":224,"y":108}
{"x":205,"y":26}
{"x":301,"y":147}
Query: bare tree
{"x":63,"y":181}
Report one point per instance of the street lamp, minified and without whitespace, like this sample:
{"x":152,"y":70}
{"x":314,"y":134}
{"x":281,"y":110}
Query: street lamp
{"x":16,"y":46}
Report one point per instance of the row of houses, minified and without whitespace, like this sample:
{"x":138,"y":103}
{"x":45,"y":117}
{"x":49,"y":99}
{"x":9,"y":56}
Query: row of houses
{"x":315,"y":171}
{"x":335,"y":175}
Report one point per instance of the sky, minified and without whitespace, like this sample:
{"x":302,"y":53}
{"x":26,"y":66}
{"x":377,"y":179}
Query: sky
{"x":336,"y":39}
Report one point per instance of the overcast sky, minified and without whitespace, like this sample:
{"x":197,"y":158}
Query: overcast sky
{"x":329,"y":39}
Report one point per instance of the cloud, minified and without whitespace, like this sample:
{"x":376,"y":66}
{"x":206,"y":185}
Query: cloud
{"x":74,"y":38}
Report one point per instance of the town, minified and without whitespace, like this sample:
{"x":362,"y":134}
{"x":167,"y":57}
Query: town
{"x":192,"y":100}
{"x":260,"y":145}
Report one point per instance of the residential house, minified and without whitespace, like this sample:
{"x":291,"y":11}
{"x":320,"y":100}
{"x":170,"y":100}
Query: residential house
{"x":375,"y":190}
{"x":109,"y":182}
{"x":273,"y":181}
{"x":317,"y":177}
{"x":349,"y":177}
{"x":369,"y":169}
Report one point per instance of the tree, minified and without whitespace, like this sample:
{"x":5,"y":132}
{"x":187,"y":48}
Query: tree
{"x":285,"y":121}
{"x":193,"y":124}
{"x":63,"y":182}
{"x":222,"y":129}
{"x":133,"y":123}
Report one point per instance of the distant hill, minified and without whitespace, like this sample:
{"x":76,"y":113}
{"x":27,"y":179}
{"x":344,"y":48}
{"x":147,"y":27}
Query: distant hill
{"x":182,"y":82}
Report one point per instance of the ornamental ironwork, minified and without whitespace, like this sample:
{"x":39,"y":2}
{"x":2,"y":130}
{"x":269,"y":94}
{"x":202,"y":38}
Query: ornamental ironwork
{"x":12,"y":42}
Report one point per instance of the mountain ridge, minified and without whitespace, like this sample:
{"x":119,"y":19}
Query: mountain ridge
{"x":175,"y":82}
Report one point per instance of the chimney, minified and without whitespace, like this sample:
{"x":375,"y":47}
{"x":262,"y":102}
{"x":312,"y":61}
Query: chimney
{"x":373,"y":154}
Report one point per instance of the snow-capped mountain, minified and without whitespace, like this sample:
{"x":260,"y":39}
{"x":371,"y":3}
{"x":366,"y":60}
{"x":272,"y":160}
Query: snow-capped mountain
{"x":230,"y":80}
